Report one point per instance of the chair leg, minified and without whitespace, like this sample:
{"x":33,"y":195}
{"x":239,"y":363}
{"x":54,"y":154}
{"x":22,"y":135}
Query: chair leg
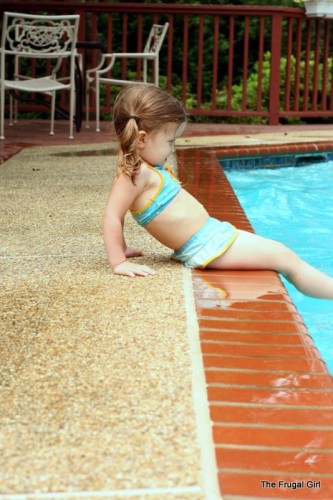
{"x":71,"y":112}
{"x":97,"y":105}
{"x":145,"y":70}
{"x":53,"y":97}
{"x":157,"y":76}
{"x":87,"y":104}
{"x":15,"y":110}
{"x":11,"y":110}
{"x":2,"y":112}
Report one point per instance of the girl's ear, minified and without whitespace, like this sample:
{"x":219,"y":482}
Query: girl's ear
{"x":142,"y":139}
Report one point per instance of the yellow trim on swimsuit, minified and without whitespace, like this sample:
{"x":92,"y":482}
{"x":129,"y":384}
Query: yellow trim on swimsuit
{"x":167,"y":191}
{"x":147,"y":205}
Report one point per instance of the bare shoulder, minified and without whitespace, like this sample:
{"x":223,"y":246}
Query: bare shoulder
{"x":140,"y":182}
{"x":144,"y":176}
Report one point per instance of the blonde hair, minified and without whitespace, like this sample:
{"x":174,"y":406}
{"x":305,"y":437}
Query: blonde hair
{"x":141,"y":107}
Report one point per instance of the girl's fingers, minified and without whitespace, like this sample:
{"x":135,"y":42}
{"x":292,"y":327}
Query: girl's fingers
{"x":132,"y":270}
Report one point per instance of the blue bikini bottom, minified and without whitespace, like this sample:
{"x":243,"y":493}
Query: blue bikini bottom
{"x":211,"y":241}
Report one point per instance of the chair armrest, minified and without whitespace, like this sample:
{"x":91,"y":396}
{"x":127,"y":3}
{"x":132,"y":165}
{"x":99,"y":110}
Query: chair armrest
{"x":134,"y":55}
{"x":99,"y":67}
{"x":115,"y":55}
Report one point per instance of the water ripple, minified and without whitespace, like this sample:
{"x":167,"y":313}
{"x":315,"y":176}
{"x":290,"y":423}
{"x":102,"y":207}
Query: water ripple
{"x":295,"y":205}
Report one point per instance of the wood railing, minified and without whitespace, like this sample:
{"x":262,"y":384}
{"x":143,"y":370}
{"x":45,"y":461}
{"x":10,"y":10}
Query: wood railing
{"x":270,"y":63}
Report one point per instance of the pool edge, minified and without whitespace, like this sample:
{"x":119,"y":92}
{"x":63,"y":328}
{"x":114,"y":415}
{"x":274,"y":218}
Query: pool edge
{"x":270,"y":399}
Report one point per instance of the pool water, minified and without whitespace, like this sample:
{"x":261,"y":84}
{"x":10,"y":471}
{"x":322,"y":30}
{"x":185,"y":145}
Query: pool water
{"x":295,"y":206}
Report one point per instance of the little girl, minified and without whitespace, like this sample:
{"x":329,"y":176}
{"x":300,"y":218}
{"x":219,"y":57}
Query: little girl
{"x":147,"y":121}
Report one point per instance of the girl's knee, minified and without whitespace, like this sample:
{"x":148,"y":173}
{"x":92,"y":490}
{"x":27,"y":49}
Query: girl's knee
{"x":288,"y":260}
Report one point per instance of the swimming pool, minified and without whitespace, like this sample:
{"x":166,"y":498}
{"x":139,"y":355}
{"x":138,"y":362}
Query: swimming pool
{"x":294,"y":205}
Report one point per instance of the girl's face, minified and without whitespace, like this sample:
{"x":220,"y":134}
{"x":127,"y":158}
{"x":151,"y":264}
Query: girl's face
{"x":156,"y":147}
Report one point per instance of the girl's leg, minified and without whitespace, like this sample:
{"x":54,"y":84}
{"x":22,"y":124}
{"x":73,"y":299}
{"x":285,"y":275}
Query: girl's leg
{"x":250,"y":251}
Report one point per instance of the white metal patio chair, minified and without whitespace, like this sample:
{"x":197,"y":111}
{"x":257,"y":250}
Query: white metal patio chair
{"x":98,"y":75}
{"x":51,"y":42}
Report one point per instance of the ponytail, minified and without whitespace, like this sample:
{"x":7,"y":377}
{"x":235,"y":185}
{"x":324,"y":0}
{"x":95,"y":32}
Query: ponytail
{"x":129,"y":160}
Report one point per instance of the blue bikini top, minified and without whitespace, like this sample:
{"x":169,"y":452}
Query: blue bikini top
{"x":168,"y":189}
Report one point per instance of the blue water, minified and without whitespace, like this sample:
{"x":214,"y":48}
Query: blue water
{"x":295,"y":206}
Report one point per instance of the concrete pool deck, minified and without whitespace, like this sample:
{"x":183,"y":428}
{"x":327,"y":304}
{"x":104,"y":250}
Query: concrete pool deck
{"x":270,"y":398}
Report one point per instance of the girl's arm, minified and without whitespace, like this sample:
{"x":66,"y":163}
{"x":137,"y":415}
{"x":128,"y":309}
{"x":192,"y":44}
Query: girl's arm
{"x":122,"y":195}
{"x":130,"y":251}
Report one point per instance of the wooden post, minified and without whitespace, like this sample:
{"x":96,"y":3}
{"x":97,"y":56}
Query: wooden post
{"x":274,"y":90}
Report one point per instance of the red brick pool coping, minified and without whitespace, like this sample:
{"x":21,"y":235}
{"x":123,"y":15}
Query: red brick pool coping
{"x":273,"y":149}
{"x":269,"y":391}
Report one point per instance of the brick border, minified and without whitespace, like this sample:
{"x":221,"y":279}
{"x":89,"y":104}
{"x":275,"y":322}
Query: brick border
{"x":269,"y":391}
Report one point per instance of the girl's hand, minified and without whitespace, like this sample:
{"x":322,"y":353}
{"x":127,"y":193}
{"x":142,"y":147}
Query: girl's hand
{"x":129,"y":269}
{"x":133,"y":252}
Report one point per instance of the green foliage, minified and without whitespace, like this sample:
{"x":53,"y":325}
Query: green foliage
{"x":178,"y":55}
{"x":252,"y":86}
{"x":206,"y":74}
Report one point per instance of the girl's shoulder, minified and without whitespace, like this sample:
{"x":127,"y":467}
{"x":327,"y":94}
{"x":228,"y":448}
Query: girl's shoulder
{"x":145,"y":175}
{"x":141,"y":179}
